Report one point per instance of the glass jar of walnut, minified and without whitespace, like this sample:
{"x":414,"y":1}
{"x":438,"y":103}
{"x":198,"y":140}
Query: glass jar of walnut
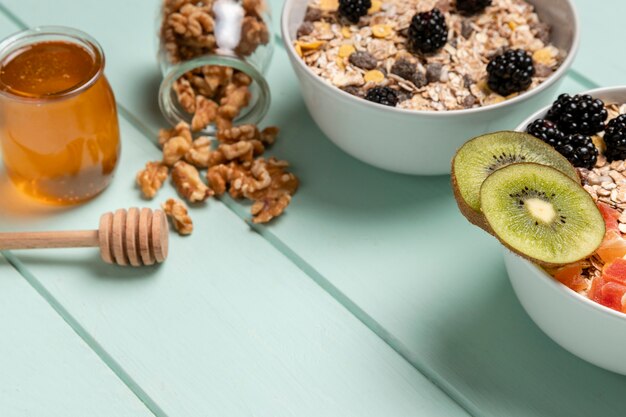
{"x":213,"y":54}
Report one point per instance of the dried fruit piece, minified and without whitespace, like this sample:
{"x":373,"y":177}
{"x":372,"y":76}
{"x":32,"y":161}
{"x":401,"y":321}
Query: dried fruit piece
{"x":310,"y":46}
{"x":381,"y":31}
{"x":376,"y":6}
{"x":346,"y":50}
{"x":363,"y":60}
{"x":374,"y":76}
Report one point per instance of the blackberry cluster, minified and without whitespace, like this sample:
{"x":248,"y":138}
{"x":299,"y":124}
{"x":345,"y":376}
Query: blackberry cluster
{"x":428,"y":32}
{"x":615,"y":139}
{"x":352,"y":10}
{"x":510,"y":72}
{"x":382,"y":95}
{"x":577,"y":148}
{"x":470,"y":7}
{"x":578,"y":114}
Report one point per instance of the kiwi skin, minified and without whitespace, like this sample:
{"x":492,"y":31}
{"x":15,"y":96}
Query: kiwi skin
{"x":473,"y":216}
{"x":523,"y":255}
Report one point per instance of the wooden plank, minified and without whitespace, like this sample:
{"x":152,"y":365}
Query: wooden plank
{"x":600,"y":60}
{"x":227,"y":326}
{"x":434,"y":287}
{"x":45,"y":368}
{"x":431,"y":285}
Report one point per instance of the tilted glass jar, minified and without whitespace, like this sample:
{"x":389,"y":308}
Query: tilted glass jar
{"x":203,"y":46}
{"x":59,"y":130}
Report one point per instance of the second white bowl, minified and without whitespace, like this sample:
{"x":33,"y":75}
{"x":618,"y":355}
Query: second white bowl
{"x":589,"y":330}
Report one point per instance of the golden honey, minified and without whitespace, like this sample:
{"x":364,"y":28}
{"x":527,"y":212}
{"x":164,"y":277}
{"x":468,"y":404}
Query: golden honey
{"x":59,"y":131}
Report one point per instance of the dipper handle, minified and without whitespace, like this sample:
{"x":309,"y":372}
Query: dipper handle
{"x":35,"y":240}
{"x":134,"y":237}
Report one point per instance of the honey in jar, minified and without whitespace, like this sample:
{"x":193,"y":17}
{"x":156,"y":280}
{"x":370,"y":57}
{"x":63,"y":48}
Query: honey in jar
{"x":59,"y":132}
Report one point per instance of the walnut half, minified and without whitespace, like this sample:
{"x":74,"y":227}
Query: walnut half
{"x":177,"y":212}
{"x":187,"y":181}
{"x":151,"y":178}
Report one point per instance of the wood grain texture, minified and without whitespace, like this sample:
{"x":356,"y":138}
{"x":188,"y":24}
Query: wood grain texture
{"x":60,"y":239}
{"x":45,"y":368}
{"x":227,"y":326}
{"x":392,"y":248}
{"x":395,"y":251}
{"x":230,"y":327}
{"x":600,"y":62}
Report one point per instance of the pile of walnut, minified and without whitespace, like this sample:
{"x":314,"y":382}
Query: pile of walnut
{"x":212,"y":94}
{"x":236,"y":166}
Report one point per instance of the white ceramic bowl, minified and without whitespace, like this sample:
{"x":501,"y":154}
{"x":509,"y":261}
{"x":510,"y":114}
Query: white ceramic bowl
{"x":589,"y":330}
{"x":419,"y":142}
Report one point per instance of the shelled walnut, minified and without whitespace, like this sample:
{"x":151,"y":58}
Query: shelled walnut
{"x":178,"y":213}
{"x":234,"y":164}
{"x":151,"y":178}
{"x":212,"y":94}
{"x":186,"y":179}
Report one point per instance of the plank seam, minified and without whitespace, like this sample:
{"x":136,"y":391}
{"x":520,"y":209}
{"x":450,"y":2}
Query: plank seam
{"x":91,"y":342}
{"x":354,"y":309}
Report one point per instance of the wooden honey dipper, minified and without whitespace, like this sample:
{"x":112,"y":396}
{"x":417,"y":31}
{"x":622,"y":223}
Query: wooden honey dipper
{"x":134,"y":237}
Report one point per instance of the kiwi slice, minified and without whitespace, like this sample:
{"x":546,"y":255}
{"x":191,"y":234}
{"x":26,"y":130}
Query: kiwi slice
{"x":541,"y":214}
{"x":483,"y":155}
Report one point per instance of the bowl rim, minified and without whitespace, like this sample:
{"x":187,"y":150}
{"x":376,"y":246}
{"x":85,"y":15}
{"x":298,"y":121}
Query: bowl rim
{"x":596,"y":92}
{"x":586,"y":302}
{"x":552,"y":79}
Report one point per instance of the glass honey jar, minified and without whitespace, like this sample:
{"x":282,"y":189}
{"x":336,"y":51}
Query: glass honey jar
{"x":59,"y":132}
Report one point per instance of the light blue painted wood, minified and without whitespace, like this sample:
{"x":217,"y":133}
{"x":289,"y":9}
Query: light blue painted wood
{"x":379,"y":248}
{"x":227,"y":326}
{"x":601,"y":58}
{"x":45,"y":368}
{"x":391,"y":248}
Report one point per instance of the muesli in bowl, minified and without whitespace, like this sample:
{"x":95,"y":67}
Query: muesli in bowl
{"x":592,"y":135}
{"x":554,"y":193}
{"x":420,"y":128}
{"x":428,"y":55}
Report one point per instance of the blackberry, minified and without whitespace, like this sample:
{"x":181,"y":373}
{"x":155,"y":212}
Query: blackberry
{"x":547,"y":132}
{"x":579,"y":150}
{"x":615,"y":139}
{"x":578,"y":114}
{"x":352,"y":10}
{"x":470,"y":7}
{"x":382,"y":95}
{"x":510,"y":72}
{"x":428,"y":32}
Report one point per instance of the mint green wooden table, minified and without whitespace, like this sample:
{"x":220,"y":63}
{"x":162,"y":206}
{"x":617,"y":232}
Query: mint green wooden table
{"x":371,"y":297}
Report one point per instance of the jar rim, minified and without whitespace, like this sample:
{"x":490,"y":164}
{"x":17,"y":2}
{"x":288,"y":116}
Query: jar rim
{"x":174,"y":114}
{"x":33,"y":35}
